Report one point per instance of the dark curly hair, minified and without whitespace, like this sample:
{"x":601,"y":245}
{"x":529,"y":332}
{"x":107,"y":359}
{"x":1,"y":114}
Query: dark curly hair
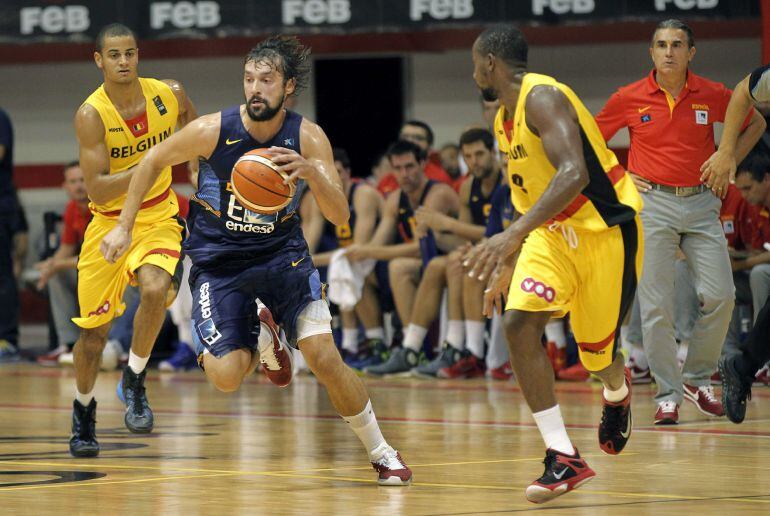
{"x":287,"y":55}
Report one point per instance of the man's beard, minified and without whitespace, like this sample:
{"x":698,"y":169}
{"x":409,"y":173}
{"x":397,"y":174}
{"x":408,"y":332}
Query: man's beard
{"x":482,"y":173}
{"x":268,"y":112}
{"x":488,"y":94}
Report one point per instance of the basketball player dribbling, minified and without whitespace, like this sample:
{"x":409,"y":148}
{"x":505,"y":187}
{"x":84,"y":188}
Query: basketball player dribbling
{"x":239,"y":255}
{"x":580,"y":246}
{"x":115,"y":127}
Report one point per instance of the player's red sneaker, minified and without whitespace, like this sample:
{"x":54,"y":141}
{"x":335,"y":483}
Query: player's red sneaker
{"x":275,"y":359}
{"x":563,"y":473}
{"x":574,"y":373}
{"x":557,"y":356}
{"x":469,"y":366}
{"x":392,"y":469}
{"x":502,"y":373}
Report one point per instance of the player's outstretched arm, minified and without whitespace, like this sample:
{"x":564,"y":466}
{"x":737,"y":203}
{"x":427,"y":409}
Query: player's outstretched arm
{"x":316,"y":166}
{"x":724,"y":161}
{"x":196,"y":139}
{"x":94,"y":158}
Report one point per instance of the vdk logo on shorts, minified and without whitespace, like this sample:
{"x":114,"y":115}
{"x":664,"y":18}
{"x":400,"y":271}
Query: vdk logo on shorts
{"x":204,"y":300}
{"x":208,"y":332}
{"x":539,"y":289}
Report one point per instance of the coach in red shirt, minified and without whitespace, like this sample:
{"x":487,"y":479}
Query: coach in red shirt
{"x":670,"y":115}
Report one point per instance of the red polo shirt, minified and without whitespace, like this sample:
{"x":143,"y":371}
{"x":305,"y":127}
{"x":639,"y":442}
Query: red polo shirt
{"x":670,"y":138}
{"x":737,"y":218}
{"x":76,"y":220}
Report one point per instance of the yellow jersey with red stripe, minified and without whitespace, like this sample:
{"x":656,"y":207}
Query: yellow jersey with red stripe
{"x":127,"y":141}
{"x":609,"y":199}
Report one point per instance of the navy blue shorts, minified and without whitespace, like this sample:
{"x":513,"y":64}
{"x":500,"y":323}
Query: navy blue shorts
{"x":224,"y":314}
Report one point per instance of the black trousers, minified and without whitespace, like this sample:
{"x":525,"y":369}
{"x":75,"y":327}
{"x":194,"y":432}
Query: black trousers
{"x":756,"y":347}
{"x":9,"y":294}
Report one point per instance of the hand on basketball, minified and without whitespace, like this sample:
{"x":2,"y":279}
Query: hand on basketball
{"x":497,"y":289}
{"x":292,"y":163}
{"x":115,"y":243}
{"x":718,"y":171}
{"x":483,"y":258}
{"x":431,"y":218}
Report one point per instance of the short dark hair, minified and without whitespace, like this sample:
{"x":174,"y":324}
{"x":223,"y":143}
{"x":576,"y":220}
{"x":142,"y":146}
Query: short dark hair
{"x":506,"y":42}
{"x":401,"y":147}
{"x":425,"y":127}
{"x":70,"y":165}
{"x":110,"y":31}
{"x":673,"y":23}
{"x":341,"y":155}
{"x":757,"y":163}
{"x":285,"y":53}
{"x":477,"y":134}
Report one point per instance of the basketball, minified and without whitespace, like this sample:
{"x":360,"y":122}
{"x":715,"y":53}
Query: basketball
{"x":259,"y":185}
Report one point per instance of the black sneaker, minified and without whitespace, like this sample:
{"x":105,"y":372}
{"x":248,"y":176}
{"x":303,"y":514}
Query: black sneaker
{"x":562,"y":474}
{"x":83,"y":439}
{"x":447,"y":358}
{"x":615,"y":427}
{"x":736,"y":389}
{"x":138,"y":418}
{"x":400,"y":362}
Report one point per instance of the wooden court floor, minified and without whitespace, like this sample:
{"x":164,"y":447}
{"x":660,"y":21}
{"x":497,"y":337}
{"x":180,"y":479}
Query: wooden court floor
{"x":471,"y":444}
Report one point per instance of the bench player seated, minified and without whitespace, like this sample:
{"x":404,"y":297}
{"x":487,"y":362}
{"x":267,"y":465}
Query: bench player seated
{"x":453,"y":361}
{"x":365,"y":204}
{"x":395,"y":239}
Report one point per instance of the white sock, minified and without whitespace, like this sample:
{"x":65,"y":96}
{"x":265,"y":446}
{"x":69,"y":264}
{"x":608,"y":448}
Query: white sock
{"x":366,"y":428}
{"x":350,"y":339}
{"x":375,"y":333}
{"x":415,"y":335}
{"x":137,"y":363}
{"x":84,"y":399}
{"x":455,"y":334}
{"x":551,"y":426}
{"x":554,"y":332}
{"x":474,"y":336}
{"x":640,"y":358}
{"x":265,"y":339}
{"x":616,"y":396}
{"x":681,"y":352}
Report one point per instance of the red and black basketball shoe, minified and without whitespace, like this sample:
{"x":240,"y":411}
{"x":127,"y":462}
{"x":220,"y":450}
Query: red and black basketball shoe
{"x":615,"y":427}
{"x":563,"y":473}
{"x":276,"y":359}
{"x":392,"y":469}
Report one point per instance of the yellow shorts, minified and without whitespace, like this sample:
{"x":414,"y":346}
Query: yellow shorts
{"x":590,"y":275}
{"x":101,"y":284}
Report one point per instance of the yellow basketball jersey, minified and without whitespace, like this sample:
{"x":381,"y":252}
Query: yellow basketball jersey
{"x":609,"y":199}
{"x":128,"y":141}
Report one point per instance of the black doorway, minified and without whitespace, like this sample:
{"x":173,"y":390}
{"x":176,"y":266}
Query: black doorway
{"x":360,"y":105}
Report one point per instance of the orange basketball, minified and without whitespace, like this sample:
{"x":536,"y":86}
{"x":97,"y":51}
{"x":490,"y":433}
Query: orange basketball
{"x":258,"y":184}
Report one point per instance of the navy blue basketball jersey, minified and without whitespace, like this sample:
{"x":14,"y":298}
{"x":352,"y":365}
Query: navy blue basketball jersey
{"x":480,"y":204}
{"x":222,"y":231}
{"x":406,"y":222}
{"x":502,"y":212}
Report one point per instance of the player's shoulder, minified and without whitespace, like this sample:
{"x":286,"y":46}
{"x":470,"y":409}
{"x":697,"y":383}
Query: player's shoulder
{"x":88,"y":121}
{"x":366,"y":193}
{"x":441,"y":190}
